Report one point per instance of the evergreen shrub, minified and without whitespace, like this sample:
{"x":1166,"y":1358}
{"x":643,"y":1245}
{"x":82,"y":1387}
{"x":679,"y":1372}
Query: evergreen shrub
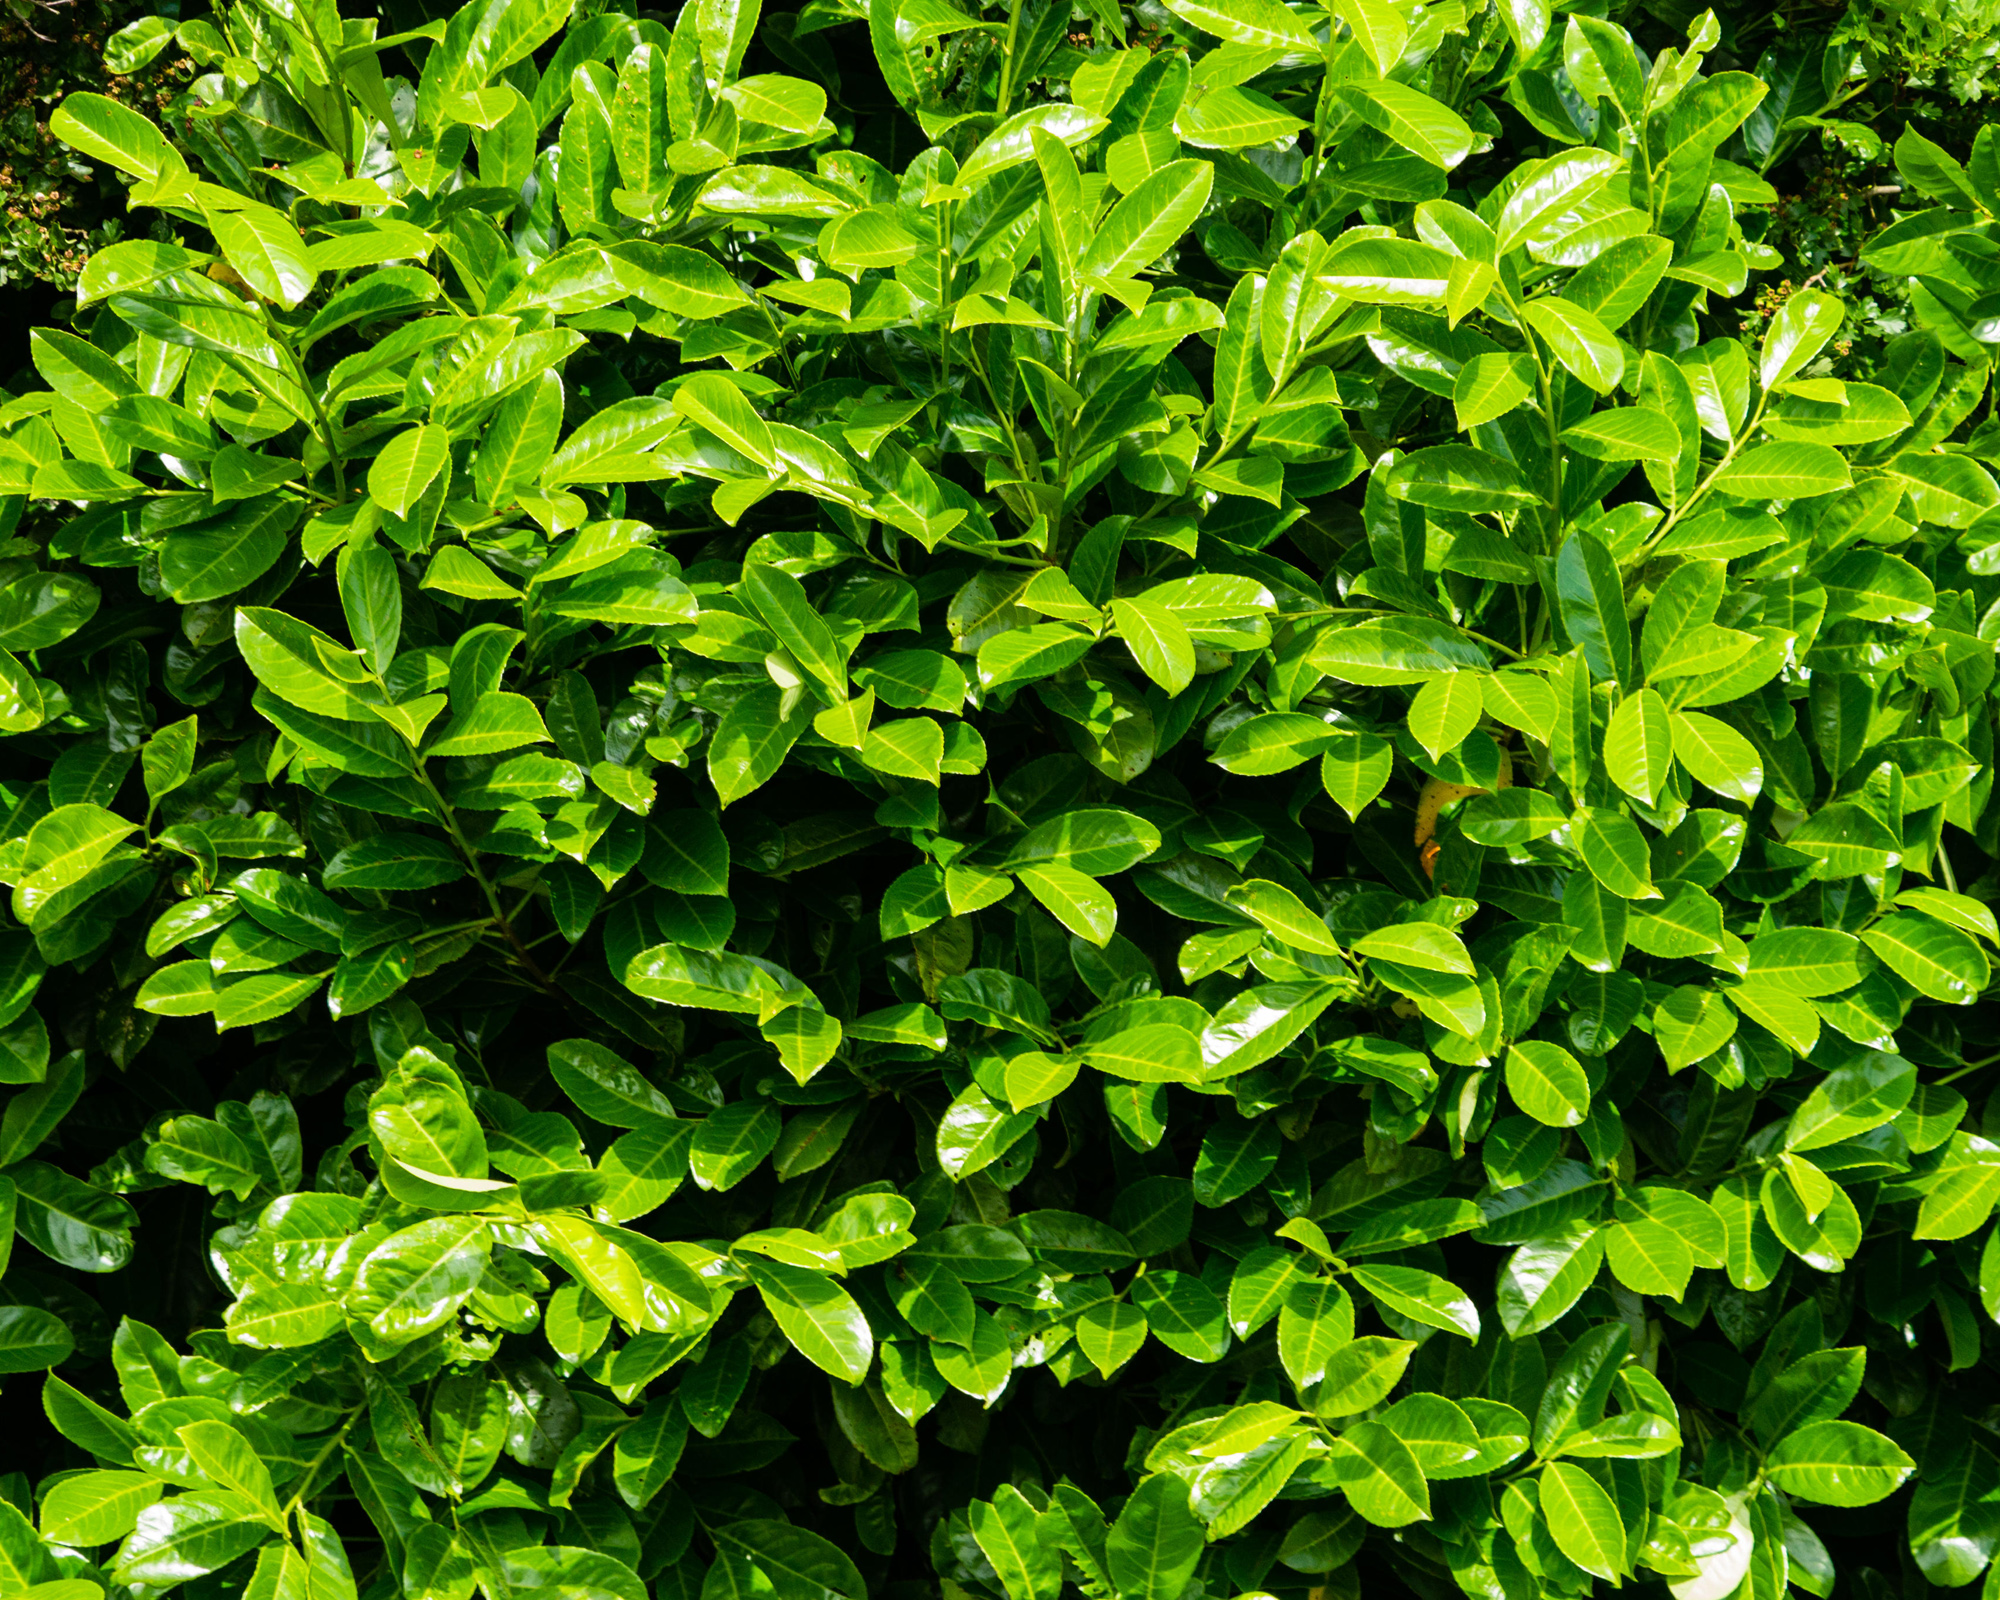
{"x":897,"y":802}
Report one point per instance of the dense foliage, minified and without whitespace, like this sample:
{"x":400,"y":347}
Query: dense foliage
{"x":56,"y":208}
{"x":894,"y":801}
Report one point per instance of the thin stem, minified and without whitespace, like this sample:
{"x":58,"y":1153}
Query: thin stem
{"x":992,"y":555}
{"x":326,"y":429}
{"x":1969,"y":1068}
{"x":318,"y":1461}
{"x":1006,"y":93}
{"x":1553,"y":425}
{"x":450,"y":821}
{"x":778,"y":331}
{"x":999,"y":411}
{"x":1743,"y":437}
{"x":946,"y":272}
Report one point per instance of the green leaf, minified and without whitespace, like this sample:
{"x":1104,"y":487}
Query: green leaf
{"x":1851,"y":1101}
{"x":1629,"y":433}
{"x":267,"y":250}
{"x":694,"y":286}
{"x":1542,"y":1279}
{"x":1006,"y":1533}
{"x":1081,"y":904}
{"x":1583,"y":1520}
{"x":1838,"y":1464}
{"x":1023,"y":654}
{"x":1876,"y":586}
{"x":1284,"y":916}
{"x":1550,"y":188}
{"x":780,"y":599}
{"x":394,"y":861}
{"x":646,"y":1454}
{"x":1415,"y":121}
{"x":751,"y":743}
{"x":1445,"y":710}
{"x":1580,"y":342}
{"x":1378,"y":28}
{"x":1155,"y":1053}
{"x":1638,"y":746}
{"x":1013,"y":141}
{"x":1142,"y":225}
{"x":108,"y":131}
{"x":1158,"y":640}
{"x":1098,"y":842}
{"x":32,"y":1339}
{"x":1785,"y":471}
{"x":1936,"y":959}
{"x":406,"y":466}
{"x":1315,"y":1322}
{"x":1456,"y":477}
{"x":224,"y":1457}
{"x":1489,"y":386}
{"x":1614,"y":851}
{"x":1274,"y":742}
{"x":1418,"y":944}
{"x":71,"y":1222}
{"x":1356,"y":769}
{"x":1261,"y":23}
{"x":818,"y":1317}
{"x":1615,"y":283}
{"x":1800,"y":330}
{"x":1380,"y":1476}
{"x":909,"y":747}
{"x":190,"y":1535}
{"x":605,"y":1086}
{"x":1691,"y":1024}
{"x":1593,"y":606}
{"x":1546,"y":1082}
{"x":415,"y":1280}
{"x":1184,"y":1314}
{"x":732,"y":1142}
{"x":1071,"y":1242}
{"x":1361,"y":1373}
{"x":1228,"y":118}
{"x":1387,"y":271}
{"x":282,"y":1316}
{"x":800,"y":1564}
{"x":93,"y":1508}
{"x":1420,"y":1297}
{"x":1717,"y":755}
{"x":1155,"y":1543}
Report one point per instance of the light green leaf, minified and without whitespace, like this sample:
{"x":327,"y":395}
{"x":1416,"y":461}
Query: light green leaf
{"x":1938,"y":960}
{"x":1547,"y":1083}
{"x":817,"y":1316}
{"x":1838,"y":1464}
{"x":1785,"y":472}
{"x":1445,"y":710}
{"x":1140,"y":227}
{"x":407,"y":465}
{"x":1421,"y":125}
{"x":1159,"y":642}
{"x":1584,"y":1520}
{"x":267,"y":250}
{"x":1638,"y":746}
{"x":1580,"y":342}
{"x":1155,"y":1543}
{"x":1800,"y":330}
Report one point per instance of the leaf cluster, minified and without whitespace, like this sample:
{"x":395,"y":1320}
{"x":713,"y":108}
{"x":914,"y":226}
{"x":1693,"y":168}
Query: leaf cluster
{"x":1194,"y":847}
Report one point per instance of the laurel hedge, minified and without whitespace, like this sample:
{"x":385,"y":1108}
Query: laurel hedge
{"x":890,"y":801}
